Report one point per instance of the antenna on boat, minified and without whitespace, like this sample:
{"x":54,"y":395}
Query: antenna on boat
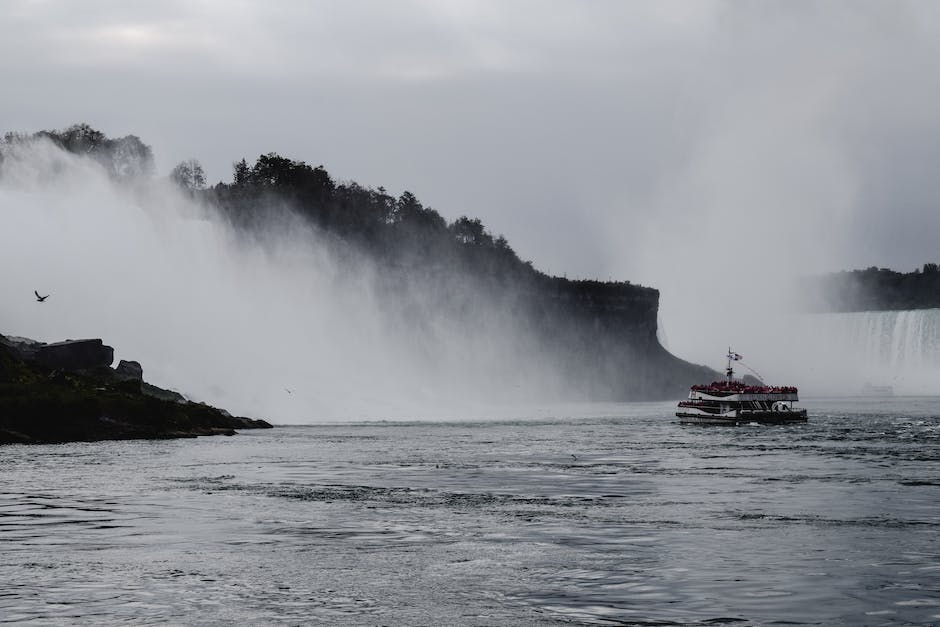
{"x":729,"y":371}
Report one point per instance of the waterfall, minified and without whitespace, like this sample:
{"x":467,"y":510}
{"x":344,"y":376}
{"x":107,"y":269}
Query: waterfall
{"x":897,"y":339}
{"x":897,"y":348}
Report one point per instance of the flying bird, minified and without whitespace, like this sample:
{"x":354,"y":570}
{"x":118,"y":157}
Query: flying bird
{"x":40,"y":298}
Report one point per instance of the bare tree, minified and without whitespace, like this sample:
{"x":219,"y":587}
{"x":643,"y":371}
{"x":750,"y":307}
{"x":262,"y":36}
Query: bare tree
{"x":189,"y":175}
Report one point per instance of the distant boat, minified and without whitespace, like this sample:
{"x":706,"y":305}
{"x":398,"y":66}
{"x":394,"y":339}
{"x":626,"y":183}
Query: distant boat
{"x":732,"y":402}
{"x":876,"y":390}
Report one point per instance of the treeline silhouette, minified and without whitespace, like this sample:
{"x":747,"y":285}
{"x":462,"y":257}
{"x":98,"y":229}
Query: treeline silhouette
{"x":399,"y":232}
{"x":876,"y":289}
{"x":407,"y":236}
{"x":123,"y":157}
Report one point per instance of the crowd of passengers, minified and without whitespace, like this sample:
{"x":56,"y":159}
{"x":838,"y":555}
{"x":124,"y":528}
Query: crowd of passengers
{"x":739,"y":387}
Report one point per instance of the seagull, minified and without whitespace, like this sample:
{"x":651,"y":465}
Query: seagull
{"x":40,"y":298}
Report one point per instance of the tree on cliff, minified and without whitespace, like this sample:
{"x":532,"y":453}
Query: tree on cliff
{"x":401,"y":231}
{"x":467,"y":231}
{"x":123,"y":157}
{"x":78,"y":138}
{"x":189,"y":175}
{"x":130,"y":157}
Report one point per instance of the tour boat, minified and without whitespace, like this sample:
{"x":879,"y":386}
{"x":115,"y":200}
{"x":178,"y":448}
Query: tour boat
{"x":732,"y":402}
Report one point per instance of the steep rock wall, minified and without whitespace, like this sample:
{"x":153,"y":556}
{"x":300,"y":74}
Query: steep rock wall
{"x":605,"y":335}
{"x":576,"y":340}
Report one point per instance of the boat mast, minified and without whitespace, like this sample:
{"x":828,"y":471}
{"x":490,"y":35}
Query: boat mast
{"x":729,"y":372}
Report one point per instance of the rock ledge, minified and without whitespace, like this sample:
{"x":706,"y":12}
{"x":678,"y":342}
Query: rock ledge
{"x":67,"y":392}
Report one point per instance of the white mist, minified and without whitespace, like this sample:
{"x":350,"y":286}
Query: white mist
{"x":269,"y":326}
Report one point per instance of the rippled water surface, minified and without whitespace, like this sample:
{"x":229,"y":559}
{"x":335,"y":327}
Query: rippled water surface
{"x":600,"y":515}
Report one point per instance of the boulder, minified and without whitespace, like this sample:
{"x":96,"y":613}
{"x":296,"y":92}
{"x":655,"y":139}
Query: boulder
{"x":130,"y":370}
{"x":75,"y":355}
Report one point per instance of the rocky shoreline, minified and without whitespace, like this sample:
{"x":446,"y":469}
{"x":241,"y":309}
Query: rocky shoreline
{"x":68,"y":392}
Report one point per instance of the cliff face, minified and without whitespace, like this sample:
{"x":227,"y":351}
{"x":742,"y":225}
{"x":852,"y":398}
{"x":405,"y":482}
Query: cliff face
{"x":605,"y":337}
{"x":585,"y":340}
{"x":598,"y":338}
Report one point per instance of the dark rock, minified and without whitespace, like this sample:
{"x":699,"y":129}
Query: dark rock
{"x":22,"y":347}
{"x":129,"y":370}
{"x":75,"y":355}
{"x":41,"y":404}
{"x":126,"y":385}
{"x":162,"y":394}
{"x":72,"y":355}
{"x":131,"y":373}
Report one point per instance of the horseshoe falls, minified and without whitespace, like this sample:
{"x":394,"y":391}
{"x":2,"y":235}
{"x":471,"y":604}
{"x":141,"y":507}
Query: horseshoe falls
{"x":850,"y":350}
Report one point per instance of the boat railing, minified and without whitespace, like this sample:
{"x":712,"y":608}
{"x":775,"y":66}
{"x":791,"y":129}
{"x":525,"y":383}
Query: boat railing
{"x":736,"y":387}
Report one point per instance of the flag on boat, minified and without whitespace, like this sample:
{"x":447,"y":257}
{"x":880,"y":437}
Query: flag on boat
{"x":736,"y":357}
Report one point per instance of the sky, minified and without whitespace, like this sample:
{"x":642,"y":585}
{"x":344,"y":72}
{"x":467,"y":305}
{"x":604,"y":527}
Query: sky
{"x":658,"y":142}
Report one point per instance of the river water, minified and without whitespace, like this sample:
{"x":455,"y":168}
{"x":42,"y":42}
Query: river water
{"x":600,"y":515}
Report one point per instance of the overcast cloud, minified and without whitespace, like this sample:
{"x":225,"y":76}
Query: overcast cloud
{"x":624,"y":140}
